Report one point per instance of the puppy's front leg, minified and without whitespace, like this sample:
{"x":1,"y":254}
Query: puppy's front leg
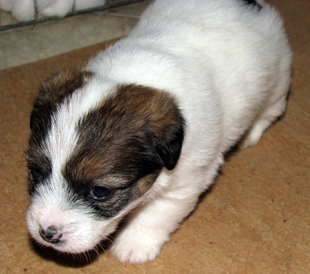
{"x":149,"y":227}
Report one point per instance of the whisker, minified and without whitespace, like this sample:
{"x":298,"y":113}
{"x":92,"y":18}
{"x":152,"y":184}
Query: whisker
{"x":96,"y":250}
{"x":139,"y":268}
{"x":102,"y":247}
{"x":110,"y":239}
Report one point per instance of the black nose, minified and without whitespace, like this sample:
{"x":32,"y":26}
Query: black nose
{"x":50,"y":234}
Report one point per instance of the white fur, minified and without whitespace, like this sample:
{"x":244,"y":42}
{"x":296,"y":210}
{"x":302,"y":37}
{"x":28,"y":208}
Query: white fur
{"x":23,"y":10}
{"x":228,"y":67}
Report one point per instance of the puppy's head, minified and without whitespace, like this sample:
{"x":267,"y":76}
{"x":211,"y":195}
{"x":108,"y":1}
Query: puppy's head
{"x":95,"y":150}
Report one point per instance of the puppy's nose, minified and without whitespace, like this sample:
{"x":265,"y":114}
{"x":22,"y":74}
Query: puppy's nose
{"x":50,"y":234}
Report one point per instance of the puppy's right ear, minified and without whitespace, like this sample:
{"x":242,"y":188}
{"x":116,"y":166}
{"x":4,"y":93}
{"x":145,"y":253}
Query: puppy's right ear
{"x":51,"y":94}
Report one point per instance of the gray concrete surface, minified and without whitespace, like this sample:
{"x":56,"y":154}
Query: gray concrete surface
{"x":32,"y":43}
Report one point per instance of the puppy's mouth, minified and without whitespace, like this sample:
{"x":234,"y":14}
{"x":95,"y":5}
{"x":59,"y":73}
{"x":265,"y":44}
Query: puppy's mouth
{"x":73,"y":231}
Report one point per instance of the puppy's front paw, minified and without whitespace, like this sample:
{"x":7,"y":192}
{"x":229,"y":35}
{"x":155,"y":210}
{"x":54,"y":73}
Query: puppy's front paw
{"x":138,"y":247}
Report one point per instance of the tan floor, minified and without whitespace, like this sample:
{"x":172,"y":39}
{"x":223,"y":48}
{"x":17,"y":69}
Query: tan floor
{"x":255,"y":219}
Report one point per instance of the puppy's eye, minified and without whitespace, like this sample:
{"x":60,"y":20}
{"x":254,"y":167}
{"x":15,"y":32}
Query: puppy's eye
{"x":37,"y":174}
{"x":100,"y":192}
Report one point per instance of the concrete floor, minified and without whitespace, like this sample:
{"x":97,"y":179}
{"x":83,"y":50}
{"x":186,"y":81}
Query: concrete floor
{"x":32,"y":43}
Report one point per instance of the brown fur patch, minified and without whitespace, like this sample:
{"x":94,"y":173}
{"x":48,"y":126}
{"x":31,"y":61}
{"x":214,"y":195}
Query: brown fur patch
{"x":52,"y":93}
{"x":124,"y":144}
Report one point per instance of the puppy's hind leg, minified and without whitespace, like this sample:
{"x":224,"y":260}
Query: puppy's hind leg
{"x":276,"y":104}
{"x":263,"y":122}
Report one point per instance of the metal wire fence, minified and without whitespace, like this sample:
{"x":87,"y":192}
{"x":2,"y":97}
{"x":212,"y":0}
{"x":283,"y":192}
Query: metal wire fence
{"x":38,"y":19}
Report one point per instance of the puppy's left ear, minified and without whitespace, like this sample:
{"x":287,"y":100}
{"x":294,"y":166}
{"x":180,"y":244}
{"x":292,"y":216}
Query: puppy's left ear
{"x":167,"y":132}
{"x":157,"y":114}
{"x":169,"y":144}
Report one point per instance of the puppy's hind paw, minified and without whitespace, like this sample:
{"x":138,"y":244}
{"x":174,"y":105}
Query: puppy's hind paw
{"x":254,"y":135}
{"x":247,"y":142}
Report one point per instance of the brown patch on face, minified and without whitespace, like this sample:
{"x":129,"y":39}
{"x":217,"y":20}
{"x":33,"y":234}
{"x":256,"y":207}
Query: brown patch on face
{"x":124,"y":144}
{"x":52,"y":93}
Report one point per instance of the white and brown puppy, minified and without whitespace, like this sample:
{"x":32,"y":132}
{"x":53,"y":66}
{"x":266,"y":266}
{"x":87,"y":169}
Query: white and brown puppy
{"x":143,"y":128}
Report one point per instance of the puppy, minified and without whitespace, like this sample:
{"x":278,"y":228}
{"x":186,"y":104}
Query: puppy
{"x":142,"y":129}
